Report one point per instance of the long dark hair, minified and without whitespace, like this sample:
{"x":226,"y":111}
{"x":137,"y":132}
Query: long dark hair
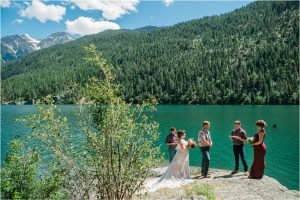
{"x":261,"y":123}
{"x":180,"y":133}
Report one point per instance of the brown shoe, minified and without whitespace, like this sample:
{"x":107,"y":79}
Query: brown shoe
{"x":207,"y":176}
{"x":235,"y":172}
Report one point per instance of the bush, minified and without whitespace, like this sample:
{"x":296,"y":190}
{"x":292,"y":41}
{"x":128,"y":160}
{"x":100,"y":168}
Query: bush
{"x":201,"y":190}
{"x":18,"y":175}
{"x":112,"y":161}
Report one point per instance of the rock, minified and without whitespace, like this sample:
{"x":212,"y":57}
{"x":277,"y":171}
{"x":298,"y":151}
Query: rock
{"x":227,"y":186}
{"x":29,"y":102}
{"x":57,"y":99}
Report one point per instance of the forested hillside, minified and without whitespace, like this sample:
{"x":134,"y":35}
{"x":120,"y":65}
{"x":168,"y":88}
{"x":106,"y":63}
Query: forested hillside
{"x":248,"y":56}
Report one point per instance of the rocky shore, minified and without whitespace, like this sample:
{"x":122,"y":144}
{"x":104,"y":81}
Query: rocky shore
{"x":223,"y":185}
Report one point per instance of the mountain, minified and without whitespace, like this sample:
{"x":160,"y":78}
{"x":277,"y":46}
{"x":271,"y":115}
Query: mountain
{"x":16,"y":46}
{"x":247,"y":56}
{"x":31,"y":41}
{"x":147,"y":28}
{"x":55,"y":38}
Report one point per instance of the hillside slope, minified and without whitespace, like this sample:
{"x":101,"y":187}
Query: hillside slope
{"x":248,"y":56}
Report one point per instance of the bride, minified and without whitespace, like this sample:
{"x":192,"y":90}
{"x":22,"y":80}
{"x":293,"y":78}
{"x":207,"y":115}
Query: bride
{"x":178,"y":172}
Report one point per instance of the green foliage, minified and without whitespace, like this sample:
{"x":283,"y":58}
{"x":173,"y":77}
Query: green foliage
{"x":19,"y":174}
{"x":201,"y":190}
{"x":124,"y":142}
{"x":111,"y":162}
{"x":223,"y":59}
{"x":50,"y":187}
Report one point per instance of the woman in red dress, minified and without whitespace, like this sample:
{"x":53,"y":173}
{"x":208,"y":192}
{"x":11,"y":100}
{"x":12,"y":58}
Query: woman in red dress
{"x":259,"y":163}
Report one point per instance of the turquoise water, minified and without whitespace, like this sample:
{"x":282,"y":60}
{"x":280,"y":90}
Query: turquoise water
{"x":282,"y":142}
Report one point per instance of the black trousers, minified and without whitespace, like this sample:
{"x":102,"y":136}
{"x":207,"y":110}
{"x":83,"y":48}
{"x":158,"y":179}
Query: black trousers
{"x":239,"y":152}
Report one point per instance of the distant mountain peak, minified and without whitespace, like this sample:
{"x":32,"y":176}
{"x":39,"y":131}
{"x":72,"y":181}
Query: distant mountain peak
{"x":57,"y":34}
{"x":146,"y":28}
{"x":15,"y":46}
{"x":56,"y":38}
{"x":31,"y":40}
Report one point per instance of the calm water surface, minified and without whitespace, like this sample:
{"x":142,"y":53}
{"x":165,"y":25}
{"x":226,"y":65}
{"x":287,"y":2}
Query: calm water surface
{"x":282,"y":142}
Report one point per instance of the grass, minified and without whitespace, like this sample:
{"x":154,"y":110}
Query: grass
{"x":201,"y":190}
{"x":194,"y":189}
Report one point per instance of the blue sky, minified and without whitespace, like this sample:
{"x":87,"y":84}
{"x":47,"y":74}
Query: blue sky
{"x":40,"y":18}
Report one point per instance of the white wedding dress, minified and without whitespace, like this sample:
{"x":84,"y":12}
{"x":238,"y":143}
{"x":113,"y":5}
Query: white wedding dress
{"x":177,"y":174}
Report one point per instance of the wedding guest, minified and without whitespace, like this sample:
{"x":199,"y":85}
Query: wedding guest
{"x":205,"y":142}
{"x":171,"y":142}
{"x":238,"y":136}
{"x":259,"y":163}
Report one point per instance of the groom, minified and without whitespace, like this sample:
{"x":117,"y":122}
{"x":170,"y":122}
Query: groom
{"x":205,"y":142}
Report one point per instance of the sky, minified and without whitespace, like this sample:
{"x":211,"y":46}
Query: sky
{"x":40,"y":18}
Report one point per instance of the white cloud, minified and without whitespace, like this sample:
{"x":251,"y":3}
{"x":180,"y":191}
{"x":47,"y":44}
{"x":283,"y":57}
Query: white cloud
{"x":43,"y":12}
{"x":111,"y":9}
{"x":168,"y":2}
{"x":5,"y":3}
{"x":72,"y":7}
{"x":18,"y":21}
{"x":26,"y":3}
{"x":87,"y":26}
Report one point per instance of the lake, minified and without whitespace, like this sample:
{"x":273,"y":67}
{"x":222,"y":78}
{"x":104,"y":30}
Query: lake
{"x":282,"y":156}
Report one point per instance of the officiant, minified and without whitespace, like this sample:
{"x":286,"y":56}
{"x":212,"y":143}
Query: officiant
{"x":171,"y":142}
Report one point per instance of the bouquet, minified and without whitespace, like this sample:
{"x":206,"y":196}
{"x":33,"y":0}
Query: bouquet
{"x":191,"y":143}
{"x":250,"y":140}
